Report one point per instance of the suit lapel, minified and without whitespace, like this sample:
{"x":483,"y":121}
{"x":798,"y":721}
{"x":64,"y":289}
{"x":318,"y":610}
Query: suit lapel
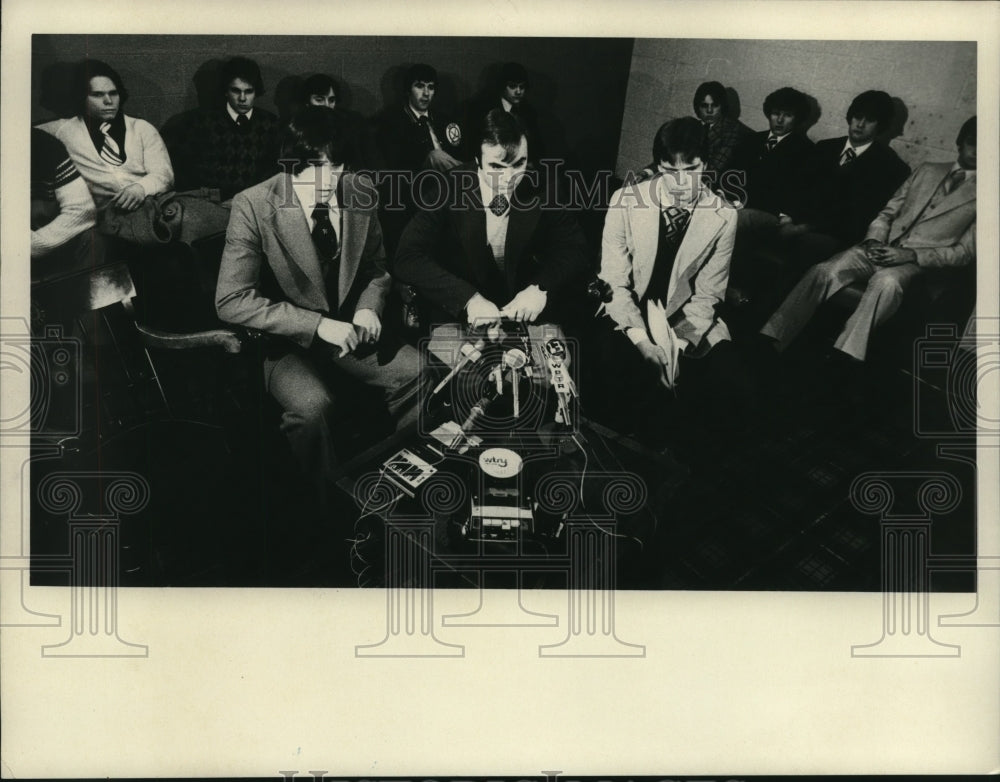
{"x":644,"y":220}
{"x":353,"y":233}
{"x":698,"y":240}
{"x":520,"y":227}
{"x":292,"y":232}
{"x":470,"y":225}
{"x":964,"y":193}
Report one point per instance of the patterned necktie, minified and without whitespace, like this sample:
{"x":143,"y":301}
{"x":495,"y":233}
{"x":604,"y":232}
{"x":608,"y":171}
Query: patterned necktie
{"x":848,"y":156}
{"x":955,"y":178}
{"x":772,"y":142}
{"x":675,"y":220}
{"x":499,"y":205}
{"x":324,"y":237}
{"x":110,"y":151}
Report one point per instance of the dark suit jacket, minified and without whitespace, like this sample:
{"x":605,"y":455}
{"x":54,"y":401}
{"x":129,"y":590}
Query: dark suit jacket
{"x":445,"y":255}
{"x":845,"y":199}
{"x":403,"y":144}
{"x":777,"y":181}
{"x":270,"y":278}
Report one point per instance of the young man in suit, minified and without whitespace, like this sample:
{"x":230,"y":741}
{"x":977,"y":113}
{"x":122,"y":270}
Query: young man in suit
{"x":414,"y":136}
{"x":411,"y":138}
{"x":779,"y":167}
{"x":304,"y":263}
{"x":855,"y":175}
{"x":779,"y":162}
{"x":230,"y":146}
{"x":484,"y":249}
{"x":667,"y":243}
{"x":928,"y":225}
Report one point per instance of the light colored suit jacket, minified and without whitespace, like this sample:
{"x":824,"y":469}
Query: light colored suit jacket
{"x":700,"y":273}
{"x":942,"y":235}
{"x":270,"y":278}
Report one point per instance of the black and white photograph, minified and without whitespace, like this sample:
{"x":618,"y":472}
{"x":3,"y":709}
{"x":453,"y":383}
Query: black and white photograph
{"x":646,"y":350}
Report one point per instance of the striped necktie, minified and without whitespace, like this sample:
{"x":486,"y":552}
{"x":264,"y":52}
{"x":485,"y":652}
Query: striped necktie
{"x":848,"y":155}
{"x":772,"y":142}
{"x":110,"y":151}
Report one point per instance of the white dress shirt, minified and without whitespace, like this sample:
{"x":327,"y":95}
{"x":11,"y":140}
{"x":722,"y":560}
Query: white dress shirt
{"x":496,"y":227}
{"x":233,"y":114}
{"x":306,"y":194}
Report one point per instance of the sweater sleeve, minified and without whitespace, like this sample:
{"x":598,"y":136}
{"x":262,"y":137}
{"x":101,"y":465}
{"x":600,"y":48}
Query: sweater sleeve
{"x":76,"y":215}
{"x":159,"y":176}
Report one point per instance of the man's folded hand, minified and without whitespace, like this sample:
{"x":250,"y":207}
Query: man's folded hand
{"x":339,"y":334}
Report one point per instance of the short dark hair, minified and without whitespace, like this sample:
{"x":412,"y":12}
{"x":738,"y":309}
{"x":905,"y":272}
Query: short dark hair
{"x":967,"y":133}
{"x":684,"y":137}
{"x":314,"y":131}
{"x":84,"y":71}
{"x":319,"y":84}
{"x":788,"y":99}
{"x":419,"y":72}
{"x":502,"y":129}
{"x":716,"y":90}
{"x":242,"y":68}
{"x":872,"y":105}
{"x":513,"y":73}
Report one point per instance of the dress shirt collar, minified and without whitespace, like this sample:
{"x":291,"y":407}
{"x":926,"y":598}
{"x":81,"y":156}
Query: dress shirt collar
{"x":487,"y":192}
{"x":970,"y":174}
{"x":416,"y":115}
{"x":507,"y":105}
{"x":859,"y":151}
{"x":234,"y":114}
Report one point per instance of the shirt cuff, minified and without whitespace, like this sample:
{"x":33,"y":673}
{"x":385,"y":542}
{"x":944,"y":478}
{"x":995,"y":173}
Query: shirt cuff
{"x":637,"y":335}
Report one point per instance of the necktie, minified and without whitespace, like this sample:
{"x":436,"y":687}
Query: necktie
{"x":955,"y":178}
{"x":242,"y":121}
{"x":110,"y":151}
{"x":848,"y":155}
{"x":772,"y":142}
{"x":324,"y":237}
{"x":499,"y":205}
{"x":675,"y":220}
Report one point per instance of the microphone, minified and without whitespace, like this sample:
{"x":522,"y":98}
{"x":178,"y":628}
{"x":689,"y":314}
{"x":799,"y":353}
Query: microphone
{"x":477,"y":411}
{"x":470,"y":353}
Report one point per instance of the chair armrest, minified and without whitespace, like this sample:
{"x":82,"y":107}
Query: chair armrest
{"x":230,"y":340}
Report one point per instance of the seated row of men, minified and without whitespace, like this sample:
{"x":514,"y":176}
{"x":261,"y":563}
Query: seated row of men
{"x":306,"y":261}
{"x":234,"y":144}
